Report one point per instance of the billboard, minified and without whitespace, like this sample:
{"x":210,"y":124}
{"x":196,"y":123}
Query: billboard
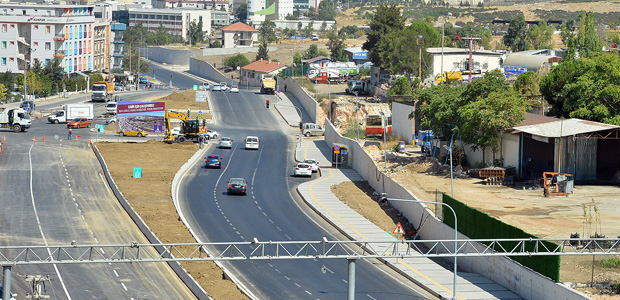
{"x":141,"y":116}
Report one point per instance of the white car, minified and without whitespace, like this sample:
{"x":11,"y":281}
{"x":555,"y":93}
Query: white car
{"x":251,"y":142}
{"x":175,"y":131}
{"x":111,"y":107}
{"x":223,"y":86}
{"x":206,"y":86}
{"x":216,"y":87}
{"x":313,"y":163}
{"x":110,"y":120}
{"x":302,"y":169}
{"x":211,"y":134}
{"x":234,"y":89}
{"x":226,"y":142}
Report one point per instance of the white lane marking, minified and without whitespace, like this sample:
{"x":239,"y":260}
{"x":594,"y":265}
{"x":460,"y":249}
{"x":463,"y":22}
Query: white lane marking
{"x":96,"y":241}
{"x":297,"y":284}
{"x":288,"y":237}
{"x":277,"y":270}
{"x":36,"y":215}
{"x":308,"y":292}
{"x":264,"y":214}
{"x":124,"y":287}
{"x":260,"y":154}
{"x":371,"y":297}
{"x":271,"y":221}
{"x":115,"y":273}
{"x":328,"y":270}
{"x":287,"y":278}
{"x":102,"y":251}
{"x":345,"y":281}
{"x":278,"y":228}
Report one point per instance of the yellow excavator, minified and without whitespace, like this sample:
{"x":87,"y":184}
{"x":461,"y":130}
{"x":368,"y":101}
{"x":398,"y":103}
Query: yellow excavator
{"x":191,"y":129}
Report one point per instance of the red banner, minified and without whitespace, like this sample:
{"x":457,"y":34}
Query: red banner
{"x":140,"y":107}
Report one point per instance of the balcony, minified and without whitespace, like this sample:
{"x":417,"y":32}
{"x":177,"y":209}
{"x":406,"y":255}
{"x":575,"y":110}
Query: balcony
{"x":22,"y":40}
{"x":59,"y":54}
{"x":59,"y":38}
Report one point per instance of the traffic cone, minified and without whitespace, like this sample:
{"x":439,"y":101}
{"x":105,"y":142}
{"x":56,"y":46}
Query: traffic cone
{"x":89,"y":142}
{"x":76,"y":139}
{"x":34,"y":139}
{"x":44,"y":138}
{"x":4,"y":137}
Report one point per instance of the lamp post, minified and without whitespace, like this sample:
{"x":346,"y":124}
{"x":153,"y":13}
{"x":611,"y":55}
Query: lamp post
{"x":420,"y":38}
{"x":357,"y":120}
{"x":384,"y":199}
{"x":329,"y":96}
{"x":385,"y":131}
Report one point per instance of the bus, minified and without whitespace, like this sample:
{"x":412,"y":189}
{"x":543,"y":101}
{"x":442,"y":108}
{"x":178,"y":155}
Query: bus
{"x":375,"y":125}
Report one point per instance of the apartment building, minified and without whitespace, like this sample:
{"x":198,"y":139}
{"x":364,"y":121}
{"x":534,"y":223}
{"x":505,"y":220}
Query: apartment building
{"x":31,"y":32}
{"x":175,"y":21}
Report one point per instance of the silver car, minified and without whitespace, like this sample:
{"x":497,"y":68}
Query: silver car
{"x":226,"y":142}
{"x":216,"y":87}
{"x":313,"y":163}
{"x":303,"y":170}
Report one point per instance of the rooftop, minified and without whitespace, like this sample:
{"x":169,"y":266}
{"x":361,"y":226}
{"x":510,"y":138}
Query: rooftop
{"x":562,"y":128}
{"x":239,"y":26}
{"x":449,"y":50}
{"x":264,"y":66}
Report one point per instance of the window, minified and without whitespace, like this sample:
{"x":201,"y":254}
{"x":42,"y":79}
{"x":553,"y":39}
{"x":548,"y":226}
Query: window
{"x":4,"y":44}
{"x":47,"y":60}
{"x":36,"y":43}
{"x":12,"y":25}
{"x":11,"y":58}
{"x":36,"y":26}
{"x":48,"y":46}
{"x":4,"y":61}
{"x":48,"y":29}
{"x":3,"y":27}
{"x":12,"y":43}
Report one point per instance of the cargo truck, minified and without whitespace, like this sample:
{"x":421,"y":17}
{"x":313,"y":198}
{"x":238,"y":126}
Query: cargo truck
{"x":268,"y":85}
{"x":15,"y":119}
{"x":70,"y":112}
{"x":102,"y":91}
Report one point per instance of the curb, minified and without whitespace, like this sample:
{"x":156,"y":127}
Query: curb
{"x":189,"y":281}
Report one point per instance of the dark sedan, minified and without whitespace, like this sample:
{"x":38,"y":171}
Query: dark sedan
{"x":213,"y":161}
{"x":237,"y":186}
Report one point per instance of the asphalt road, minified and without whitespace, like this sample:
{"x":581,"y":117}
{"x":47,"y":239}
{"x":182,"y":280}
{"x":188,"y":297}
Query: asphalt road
{"x":54,"y":193}
{"x":272,"y":211}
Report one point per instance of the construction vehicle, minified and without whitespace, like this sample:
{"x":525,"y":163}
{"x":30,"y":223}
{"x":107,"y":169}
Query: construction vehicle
{"x":268,"y":85}
{"x":557,"y":184}
{"x":449,"y":77}
{"x":16,"y":119}
{"x":102,"y":91}
{"x":328,"y":77}
{"x":191,"y":129}
{"x":70,"y":112}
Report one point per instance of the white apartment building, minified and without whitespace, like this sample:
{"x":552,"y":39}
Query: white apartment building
{"x":254,"y":6}
{"x":176,"y":21}
{"x":30,"y":32}
{"x":304,"y":5}
{"x":284,"y":8}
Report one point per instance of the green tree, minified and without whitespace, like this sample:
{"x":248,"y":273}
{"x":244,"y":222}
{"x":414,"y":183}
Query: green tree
{"x":195,"y":34}
{"x":438,"y":110}
{"x":238,"y":60}
{"x":585,"y":41}
{"x":588,"y":88}
{"x":267,"y":32}
{"x":8,"y":80}
{"x":323,"y":27}
{"x":3,"y":92}
{"x":263,"y":52}
{"x":401,"y":87}
{"x":515,"y":37}
{"x":487,"y":38}
{"x":241,"y":12}
{"x":327,"y":11}
{"x":55,"y":73}
{"x":309,"y":29}
{"x":528,"y":84}
{"x":216,"y":44}
{"x":385,"y":20}
{"x":540,"y":36}
{"x":335,"y":44}
{"x":313,"y":51}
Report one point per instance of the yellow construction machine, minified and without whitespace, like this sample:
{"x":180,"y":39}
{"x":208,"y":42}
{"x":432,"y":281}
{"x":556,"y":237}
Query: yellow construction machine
{"x":191,"y":129}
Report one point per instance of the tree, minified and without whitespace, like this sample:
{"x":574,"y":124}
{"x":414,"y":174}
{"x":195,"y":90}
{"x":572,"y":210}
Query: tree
{"x":335,"y":44}
{"x":323,"y":27}
{"x":263,"y":52}
{"x":195,"y":34}
{"x":586,"y":41}
{"x":386,"y":20}
{"x":528,"y":84}
{"x":540,"y":36}
{"x":515,"y":36}
{"x":327,"y":11}
{"x":438,"y":109}
{"x":588,"y":88}
{"x":309,"y":29}
{"x":401,"y":87}
{"x":267,"y":32}
{"x":238,"y":60}
{"x":241,"y":12}
{"x":3,"y":92}
{"x":313,"y":51}
{"x":8,"y":80}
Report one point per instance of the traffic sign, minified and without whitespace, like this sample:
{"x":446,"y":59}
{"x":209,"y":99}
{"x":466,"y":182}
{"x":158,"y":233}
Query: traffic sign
{"x":399,"y":229}
{"x":200,"y":112}
{"x":201,"y":96}
{"x":204,"y":129}
{"x":137,"y":172}
{"x":337,"y":151}
{"x":336,"y":148}
{"x":195,"y":87}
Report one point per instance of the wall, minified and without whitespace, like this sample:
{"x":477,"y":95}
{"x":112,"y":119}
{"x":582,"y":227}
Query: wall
{"x":206,"y":70}
{"x":511,"y":275}
{"x":401,"y":124}
{"x":171,"y":56}
{"x":309,"y":104}
{"x":510,"y":149}
{"x":452,"y":60}
{"x":292,"y":24}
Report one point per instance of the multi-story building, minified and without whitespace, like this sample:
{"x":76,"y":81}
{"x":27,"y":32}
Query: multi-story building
{"x":304,"y":5}
{"x":201,"y":4}
{"x":284,"y":8}
{"x":101,"y":46}
{"x":30,"y":33}
{"x":255,"y":6}
{"x":219,"y":18}
{"x":118,"y":31}
{"x":175,"y":21}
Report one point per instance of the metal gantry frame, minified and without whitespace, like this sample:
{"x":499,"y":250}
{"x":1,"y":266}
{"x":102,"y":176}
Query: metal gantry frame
{"x":11,"y":256}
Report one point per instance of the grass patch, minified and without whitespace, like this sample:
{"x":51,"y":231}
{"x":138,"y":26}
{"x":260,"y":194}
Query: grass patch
{"x":610,"y":263}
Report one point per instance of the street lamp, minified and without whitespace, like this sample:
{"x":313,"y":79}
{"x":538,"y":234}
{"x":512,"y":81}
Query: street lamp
{"x":384,"y":199}
{"x":357,"y":120}
{"x":329,"y":96}
{"x":420,"y":38}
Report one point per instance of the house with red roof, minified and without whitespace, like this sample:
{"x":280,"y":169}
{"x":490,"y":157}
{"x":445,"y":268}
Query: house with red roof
{"x":239,"y":35}
{"x":253,"y":73}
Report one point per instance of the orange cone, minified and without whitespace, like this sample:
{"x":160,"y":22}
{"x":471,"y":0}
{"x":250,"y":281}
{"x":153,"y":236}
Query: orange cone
{"x":88,"y":141}
{"x":76,"y":139}
{"x":4,"y":137}
{"x":44,"y":138}
{"x":34,"y":139}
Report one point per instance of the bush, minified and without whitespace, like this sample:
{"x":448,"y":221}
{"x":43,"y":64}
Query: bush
{"x":238,"y":60}
{"x":216,"y":44}
{"x":611,"y":262}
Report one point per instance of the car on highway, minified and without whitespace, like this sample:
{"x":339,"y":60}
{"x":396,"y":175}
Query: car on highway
{"x":206,"y":86}
{"x":79,"y":123}
{"x":111,"y":107}
{"x":224,"y":86}
{"x":310,"y":129}
{"x":143,"y":80}
{"x":234,"y":89}
{"x":226,"y":142}
{"x":28,"y":104}
{"x":251,"y":142}
{"x":237,"y":186}
{"x":213,"y":161}
{"x":211,"y":134}
{"x":119,"y":87}
{"x":303,"y":169}
{"x":216,"y":87}
{"x":132,"y":133}
{"x":110,"y":120}
{"x":313,"y":163}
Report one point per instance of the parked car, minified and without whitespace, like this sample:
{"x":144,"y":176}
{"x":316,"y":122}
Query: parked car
{"x":312,"y":129}
{"x":225,"y":142}
{"x":237,"y":186}
{"x":206,"y":86}
{"x":111,"y":107}
{"x":213,"y":161}
{"x":314,"y":37}
{"x":132,"y":133}
{"x":119,"y":87}
{"x":234,"y":89}
{"x":143,"y":80}
{"x":211,"y":134}
{"x":175,"y":131}
{"x":79,"y":123}
{"x":303,"y":169}
{"x":251,"y":142}
{"x":313,"y":163}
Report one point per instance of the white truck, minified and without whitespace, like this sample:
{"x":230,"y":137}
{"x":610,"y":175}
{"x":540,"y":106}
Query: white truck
{"x":15,"y":119}
{"x":70,"y":112}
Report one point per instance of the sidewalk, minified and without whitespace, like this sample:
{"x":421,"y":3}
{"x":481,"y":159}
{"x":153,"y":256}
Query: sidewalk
{"x":318,"y":195}
{"x":286,"y":106}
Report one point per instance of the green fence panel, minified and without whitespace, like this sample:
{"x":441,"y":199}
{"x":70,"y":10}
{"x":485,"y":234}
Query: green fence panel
{"x":479,"y":225}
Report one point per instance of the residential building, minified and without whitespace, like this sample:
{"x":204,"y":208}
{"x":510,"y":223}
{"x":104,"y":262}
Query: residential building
{"x":117,"y":45}
{"x":39,"y":32}
{"x":219,"y":18}
{"x":209,"y":5}
{"x":174,"y":21}
{"x":239,"y":35}
{"x":254,"y":6}
{"x":304,"y":5}
{"x":284,"y":8}
{"x":101,"y":46}
{"x":254,"y":72}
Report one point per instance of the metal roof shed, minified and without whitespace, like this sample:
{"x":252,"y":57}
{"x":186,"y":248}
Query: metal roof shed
{"x":535,"y":63}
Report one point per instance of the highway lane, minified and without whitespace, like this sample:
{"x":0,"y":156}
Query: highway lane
{"x":272,"y":211}
{"x":58,"y":195}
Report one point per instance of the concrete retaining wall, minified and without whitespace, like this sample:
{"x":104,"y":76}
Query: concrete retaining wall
{"x":401,"y":124}
{"x":309,"y":104}
{"x":206,"y":70}
{"x":171,"y":56}
{"x":504,"y":271}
